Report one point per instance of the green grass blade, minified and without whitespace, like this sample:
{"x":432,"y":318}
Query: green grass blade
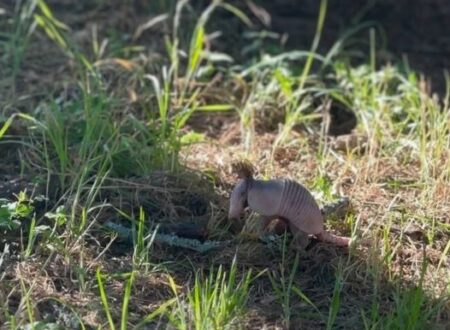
{"x":31,"y":238}
{"x":335,"y":300}
{"x":104,"y":299}
{"x":238,"y":13}
{"x":315,"y":44}
{"x":6,"y":125}
{"x":126,"y":302}
{"x":157,"y":312}
{"x":305,"y":298}
{"x":443,"y":256}
{"x":215,"y":107}
{"x":196,"y":49}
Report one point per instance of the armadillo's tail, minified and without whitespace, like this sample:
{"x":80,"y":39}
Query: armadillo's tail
{"x":326,"y":236}
{"x":243,"y":168}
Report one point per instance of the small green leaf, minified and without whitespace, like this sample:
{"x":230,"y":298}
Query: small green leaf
{"x":59,"y":216}
{"x":285,"y":83}
{"x":192,"y":137}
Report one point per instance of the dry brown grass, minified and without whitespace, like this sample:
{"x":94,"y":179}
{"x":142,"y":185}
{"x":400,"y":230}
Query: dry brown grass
{"x":399,"y":210}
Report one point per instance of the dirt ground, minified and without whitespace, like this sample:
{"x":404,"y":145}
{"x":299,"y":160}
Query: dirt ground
{"x":201,"y":191}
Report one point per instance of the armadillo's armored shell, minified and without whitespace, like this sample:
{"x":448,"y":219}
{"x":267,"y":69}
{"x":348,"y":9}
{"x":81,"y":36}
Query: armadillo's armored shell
{"x":264,"y":197}
{"x":300,"y":208}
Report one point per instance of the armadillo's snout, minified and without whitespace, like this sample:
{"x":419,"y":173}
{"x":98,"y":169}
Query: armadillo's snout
{"x":236,"y":209}
{"x":234,"y":214}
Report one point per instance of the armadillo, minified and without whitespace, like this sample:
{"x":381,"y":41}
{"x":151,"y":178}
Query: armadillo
{"x":284,"y":199}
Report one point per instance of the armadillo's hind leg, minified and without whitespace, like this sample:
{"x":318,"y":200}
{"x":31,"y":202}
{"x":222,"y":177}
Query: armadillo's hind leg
{"x":300,"y":238}
{"x":274,"y":225}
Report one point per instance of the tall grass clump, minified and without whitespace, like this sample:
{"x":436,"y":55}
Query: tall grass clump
{"x":125,"y":302}
{"x":398,"y":113}
{"x":282,"y":83}
{"x":80,"y":135}
{"x":216,"y":301}
{"x":77,"y":140}
{"x":16,"y":38}
{"x":178,"y":88}
{"x":283,"y":285}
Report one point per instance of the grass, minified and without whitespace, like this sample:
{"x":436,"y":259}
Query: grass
{"x":16,"y":40}
{"x":138,"y":123}
{"x":214,"y":302}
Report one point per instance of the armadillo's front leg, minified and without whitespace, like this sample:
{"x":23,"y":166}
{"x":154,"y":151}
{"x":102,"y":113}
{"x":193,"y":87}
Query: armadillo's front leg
{"x":301,"y":239}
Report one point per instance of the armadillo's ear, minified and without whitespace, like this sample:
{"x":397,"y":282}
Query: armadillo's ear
{"x":243,"y":168}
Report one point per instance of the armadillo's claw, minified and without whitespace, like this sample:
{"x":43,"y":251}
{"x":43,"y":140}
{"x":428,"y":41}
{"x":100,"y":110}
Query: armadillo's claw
{"x":328,"y":237}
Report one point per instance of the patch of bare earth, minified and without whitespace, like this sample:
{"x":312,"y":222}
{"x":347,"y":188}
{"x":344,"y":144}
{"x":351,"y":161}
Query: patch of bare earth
{"x":380,"y":208}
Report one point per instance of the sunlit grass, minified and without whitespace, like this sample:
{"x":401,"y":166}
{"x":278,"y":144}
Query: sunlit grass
{"x":125,"y":115}
{"x":214,"y":302}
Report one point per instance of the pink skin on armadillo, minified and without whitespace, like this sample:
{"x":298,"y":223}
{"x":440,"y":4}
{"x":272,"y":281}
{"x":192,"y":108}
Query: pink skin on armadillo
{"x":284,"y":199}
